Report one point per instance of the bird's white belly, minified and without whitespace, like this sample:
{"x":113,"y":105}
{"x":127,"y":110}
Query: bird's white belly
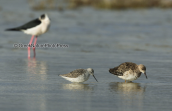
{"x":128,"y":76}
{"x":38,"y":30}
{"x":80,"y":78}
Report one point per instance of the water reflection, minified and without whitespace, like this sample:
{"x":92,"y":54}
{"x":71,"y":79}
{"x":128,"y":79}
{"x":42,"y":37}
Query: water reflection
{"x":131,"y":95}
{"x":127,"y":88}
{"x":37,"y":68}
{"x":36,"y":72}
{"x":77,"y":86}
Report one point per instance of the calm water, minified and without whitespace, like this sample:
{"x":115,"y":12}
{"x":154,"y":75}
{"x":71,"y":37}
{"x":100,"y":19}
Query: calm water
{"x":99,"y":39}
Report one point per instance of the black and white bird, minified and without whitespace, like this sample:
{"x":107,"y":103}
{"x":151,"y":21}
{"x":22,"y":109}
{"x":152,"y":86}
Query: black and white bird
{"x":35,"y":28}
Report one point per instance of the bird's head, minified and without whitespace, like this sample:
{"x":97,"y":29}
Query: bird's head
{"x":142,"y":69}
{"x":91,"y":72}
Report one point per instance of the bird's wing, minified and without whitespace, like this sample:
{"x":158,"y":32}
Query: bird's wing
{"x":26,"y":26}
{"x":119,"y":70}
{"x":75,"y":73}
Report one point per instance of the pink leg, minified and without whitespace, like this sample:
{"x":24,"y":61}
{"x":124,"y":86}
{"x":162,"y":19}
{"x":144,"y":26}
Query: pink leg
{"x":34,"y":47}
{"x":29,"y":47}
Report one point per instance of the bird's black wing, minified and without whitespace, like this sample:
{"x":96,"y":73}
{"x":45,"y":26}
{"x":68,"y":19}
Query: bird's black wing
{"x":26,"y":26}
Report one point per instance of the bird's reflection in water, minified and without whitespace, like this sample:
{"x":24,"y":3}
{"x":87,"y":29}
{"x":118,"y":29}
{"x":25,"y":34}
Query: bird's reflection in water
{"x":126,"y":87}
{"x":130,"y":94}
{"x":38,"y":68}
{"x":37,"y":77}
{"x":77,"y":87}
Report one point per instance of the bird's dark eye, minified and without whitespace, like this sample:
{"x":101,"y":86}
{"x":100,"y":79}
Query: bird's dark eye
{"x":42,"y":16}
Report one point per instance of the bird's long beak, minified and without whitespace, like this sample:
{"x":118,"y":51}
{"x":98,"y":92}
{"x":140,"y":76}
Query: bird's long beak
{"x":146,"y":75}
{"x":95,"y":78}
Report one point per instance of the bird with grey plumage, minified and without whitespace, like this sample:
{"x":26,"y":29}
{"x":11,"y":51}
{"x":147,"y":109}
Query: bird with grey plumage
{"x":128,"y":71}
{"x":79,"y":75}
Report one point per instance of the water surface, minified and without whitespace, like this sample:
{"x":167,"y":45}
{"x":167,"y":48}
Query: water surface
{"x":99,"y":39}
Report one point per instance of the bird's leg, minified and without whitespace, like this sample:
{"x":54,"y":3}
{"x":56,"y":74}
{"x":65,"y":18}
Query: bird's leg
{"x":29,"y":45}
{"x":125,"y":81}
{"x":34,"y":46}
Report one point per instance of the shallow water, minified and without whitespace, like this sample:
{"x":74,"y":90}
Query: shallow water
{"x":100,"y":39}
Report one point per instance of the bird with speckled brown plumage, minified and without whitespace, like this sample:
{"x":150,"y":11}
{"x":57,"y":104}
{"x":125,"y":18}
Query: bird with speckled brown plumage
{"x":128,"y":71}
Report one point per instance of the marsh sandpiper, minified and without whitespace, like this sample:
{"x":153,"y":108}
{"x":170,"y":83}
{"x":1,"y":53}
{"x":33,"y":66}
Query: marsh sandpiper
{"x":79,"y":75}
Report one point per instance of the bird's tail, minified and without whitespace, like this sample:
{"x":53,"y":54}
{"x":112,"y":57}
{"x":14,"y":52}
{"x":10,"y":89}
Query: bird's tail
{"x":13,"y":29}
{"x":111,"y":71}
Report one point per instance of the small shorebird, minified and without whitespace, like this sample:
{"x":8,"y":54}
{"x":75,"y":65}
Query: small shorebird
{"x":128,"y":71}
{"x":79,"y":75}
{"x":35,"y":28}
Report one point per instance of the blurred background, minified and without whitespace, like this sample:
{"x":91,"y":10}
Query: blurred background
{"x":101,"y":34}
{"x":100,"y":4}
{"x":96,"y":24}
